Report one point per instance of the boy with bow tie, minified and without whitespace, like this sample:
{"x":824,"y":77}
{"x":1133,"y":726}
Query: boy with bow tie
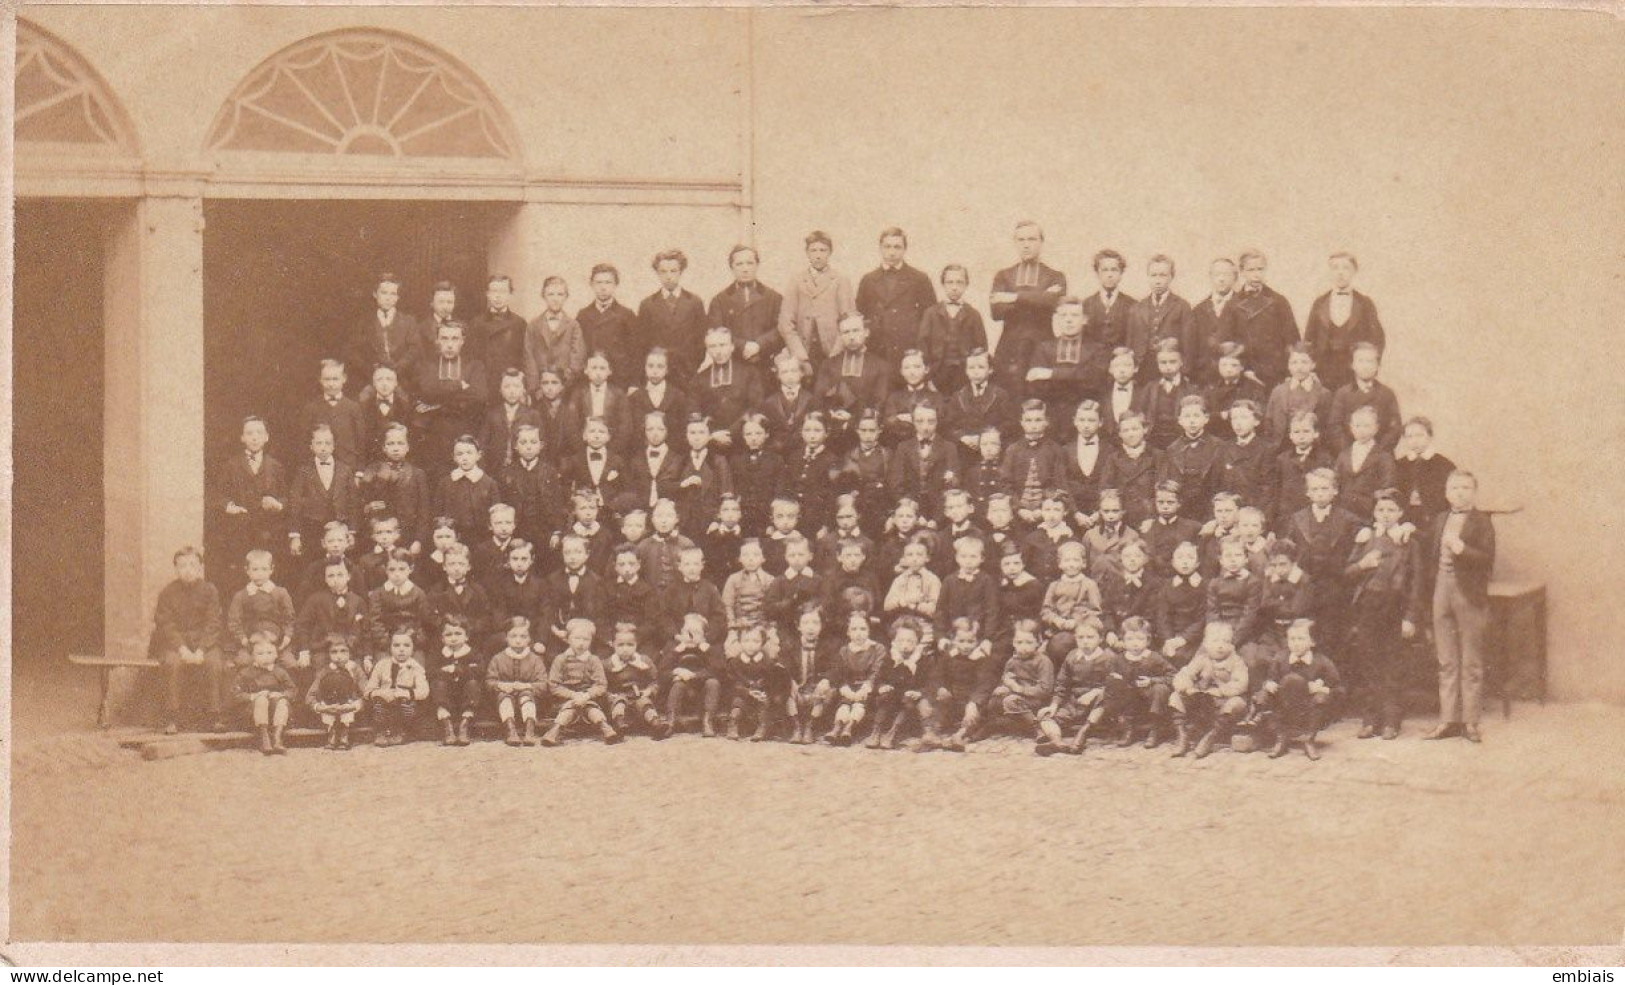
{"x":1213,"y":319}
{"x":951,"y":330}
{"x":339,"y":414}
{"x":323,"y":491}
{"x":1454,"y":567}
{"x":1298,"y":692}
{"x":1341,"y":320}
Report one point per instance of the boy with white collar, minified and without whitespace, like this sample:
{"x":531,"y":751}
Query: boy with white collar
{"x":1298,"y":692}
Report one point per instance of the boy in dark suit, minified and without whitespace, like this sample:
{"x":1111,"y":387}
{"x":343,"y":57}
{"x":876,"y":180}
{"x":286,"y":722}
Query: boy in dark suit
{"x":673,"y":318}
{"x":504,"y":420}
{"x":1382,"y":571}
{"x":951,"y":330}
{"x":1264,"y":318}
{"x":893,"y":298}
{"x":1453,"y":584}
{"x":1365,"y":390}
{"x":323,"y":490}
{"x":1292,"y":467}
{"x":702,"y":479}
{"x":1339,"y":320}
{"x":1195,"y":459}
{"x":187,"y":631}
{"x":1364,"y":467}
{"x":383,"y":406}
{"x":1214,"y":320}
{"x":1246,"y":465}
{"x":610,"y":327}
{"x":925,"y":466}
{"x":1131,"y":469}
{"x":597,"y":397}
{"x":980,"y":404}
{"x":655,"y":392}
{"x":1107,"y":312}
{"x":784,"y":410}
{"x":341,"y":415}
{"x":749,"y":309}
{"x":393,"y":486}
{"x":1160,"y":315}
{"x":463,"y":598}
{"x":594,"y":469}
{"x":1231,"y":387}
{"x":252,"y":498}
{"x":1324,"y":533}
{"x":390,"y":337}
{"x":653,"y":471}
{"x":1024,"y":298}
{"x":1164,"y":397}
{"x":573,"y":592}
{"x":497,"y":335}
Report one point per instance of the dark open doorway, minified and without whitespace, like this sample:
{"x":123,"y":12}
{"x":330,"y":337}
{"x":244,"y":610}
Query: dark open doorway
{"x":285,"y":283}
{"x":57,"y":507}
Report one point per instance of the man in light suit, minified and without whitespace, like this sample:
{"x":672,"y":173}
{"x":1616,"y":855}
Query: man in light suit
{"x":814,"y":305}
{"x":1453,"y":583}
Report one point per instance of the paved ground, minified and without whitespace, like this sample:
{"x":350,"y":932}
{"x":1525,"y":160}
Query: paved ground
{"x":1516,"y":842}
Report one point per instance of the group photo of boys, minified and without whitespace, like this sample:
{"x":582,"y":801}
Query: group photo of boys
{"x":839,"y":513}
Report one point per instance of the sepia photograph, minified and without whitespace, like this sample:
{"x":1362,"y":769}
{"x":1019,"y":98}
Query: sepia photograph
{"x":1068,"y":484}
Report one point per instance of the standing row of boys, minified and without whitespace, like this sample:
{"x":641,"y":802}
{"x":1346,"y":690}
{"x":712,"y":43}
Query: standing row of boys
{"x":834,"y":512}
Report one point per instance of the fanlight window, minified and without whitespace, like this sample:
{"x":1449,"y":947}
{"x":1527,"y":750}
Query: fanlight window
{"x":363,"y":94}
{"x":59,"y":99}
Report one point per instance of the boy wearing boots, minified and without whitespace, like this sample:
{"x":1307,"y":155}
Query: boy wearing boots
{"x":1081,"y":686}
{"x":1140,"y":692}
{"x":813,"y":666}
{"x":966,"y":676}
{"x":518,"y":677}
{"x":631,"y":675}
{"x":859,"y":659}
{"x":751,"y":676}
{"x":1028,"y":682}
{"x":1210,"y":693}
{"x":266,"y":690}
{"x":457,"y":682}
{"x":693,"y":665}
{"x":899,"y":686}
{"x":335,"y":694}
{"x":1299,"y":692}
{"x":396,"y":686}
{"x":578,"y":684}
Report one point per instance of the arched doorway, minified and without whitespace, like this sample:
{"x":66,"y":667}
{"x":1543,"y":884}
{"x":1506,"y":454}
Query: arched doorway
{"x":339,"y":157}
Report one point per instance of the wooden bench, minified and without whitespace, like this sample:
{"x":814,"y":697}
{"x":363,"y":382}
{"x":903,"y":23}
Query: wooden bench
{"x":108,"y":664}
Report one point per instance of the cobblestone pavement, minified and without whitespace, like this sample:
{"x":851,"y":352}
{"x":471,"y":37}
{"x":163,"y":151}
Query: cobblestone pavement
{"x":1516,"y":842}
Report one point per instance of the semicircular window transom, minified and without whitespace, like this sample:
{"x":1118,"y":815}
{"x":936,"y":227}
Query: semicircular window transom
{"x":60,"y":100}
{"x":365,"y":94}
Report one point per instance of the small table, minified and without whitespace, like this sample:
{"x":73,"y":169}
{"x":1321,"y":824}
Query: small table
{"x":1516,"y":642}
